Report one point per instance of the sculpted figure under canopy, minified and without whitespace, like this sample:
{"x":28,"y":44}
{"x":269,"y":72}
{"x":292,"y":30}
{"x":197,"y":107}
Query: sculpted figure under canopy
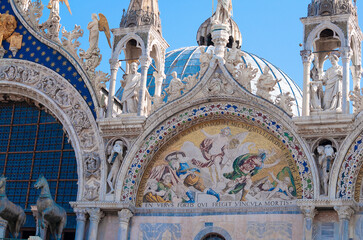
{"x":223,"y":12}
{"x":330,"y":97}
{"x":131,"y":85}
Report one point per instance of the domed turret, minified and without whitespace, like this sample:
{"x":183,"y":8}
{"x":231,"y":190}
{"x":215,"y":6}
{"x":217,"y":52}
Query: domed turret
{"x":204,"y":35}
{"x":331,"y":7}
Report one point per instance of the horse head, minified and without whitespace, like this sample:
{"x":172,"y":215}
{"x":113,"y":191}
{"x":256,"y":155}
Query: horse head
{"x":41,"y":182}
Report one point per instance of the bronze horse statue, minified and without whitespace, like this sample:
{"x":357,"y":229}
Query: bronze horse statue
{"x":49,"y":212}
{"x":10,"y":212}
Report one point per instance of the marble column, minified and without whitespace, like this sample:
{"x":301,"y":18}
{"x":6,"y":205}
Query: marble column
{"x":145,"y":64}
{"x":344,"y":214}
{"x":114,"y":65}
{"x":124,"y":219}
{"x":95,"y":215}
{"x":81,"y":223}
{"x":346,"y":55}
{"x":307,"y":58}
{"x":309,"y":214}
{"x":3,"y":225}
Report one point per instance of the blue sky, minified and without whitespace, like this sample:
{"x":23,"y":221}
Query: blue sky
{"x":271,"y":29}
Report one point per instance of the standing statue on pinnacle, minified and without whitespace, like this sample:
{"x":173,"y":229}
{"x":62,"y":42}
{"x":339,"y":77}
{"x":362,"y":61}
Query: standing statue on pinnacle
{"x":223,"y":12}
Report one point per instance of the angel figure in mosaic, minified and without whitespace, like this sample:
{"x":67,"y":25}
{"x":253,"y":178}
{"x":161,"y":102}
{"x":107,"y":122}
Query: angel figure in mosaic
{"x":218,"y":150}
{"x":244,"y":168}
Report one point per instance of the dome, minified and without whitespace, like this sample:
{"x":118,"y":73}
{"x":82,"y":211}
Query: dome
{"x":185,"y":61}
{"x":204,"y":34}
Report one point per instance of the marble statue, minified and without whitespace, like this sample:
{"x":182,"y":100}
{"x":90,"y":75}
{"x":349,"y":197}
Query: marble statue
{"x":325,"y":157}
{"x":131,"y":85}
{"x":10,"y":212}
{"x":330,"y":97}
{"x":52,"y":25}
{"x":233,"y":58}
{"x":265,"y":84}
{"x":285,"y":101}
{"x":24,"y":4}
{"x":49,"y":212}
{"x":92,"y":56}
{"x":53,"y":5}
{"x":332,"y":80}
{"x":175,"y":87}
{"x":115,"y":159}
{"x":223,"y":12}
{"x":204,"y":59}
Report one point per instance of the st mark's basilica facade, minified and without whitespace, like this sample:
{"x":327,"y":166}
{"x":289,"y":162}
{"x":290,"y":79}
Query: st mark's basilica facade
{"x":202,"y":142}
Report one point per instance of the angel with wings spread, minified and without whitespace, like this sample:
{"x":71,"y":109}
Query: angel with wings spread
{"x":218,"y":150}
{"x":53,"y":5}
{"x":95,"y":27}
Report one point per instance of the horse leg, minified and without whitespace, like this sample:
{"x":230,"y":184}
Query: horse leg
{"x":60,"y":228}
{"x":19,"y":223}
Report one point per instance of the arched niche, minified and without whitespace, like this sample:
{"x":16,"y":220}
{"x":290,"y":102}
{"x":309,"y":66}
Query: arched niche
{"x":57,"y":95}
{"x":147,"y":146}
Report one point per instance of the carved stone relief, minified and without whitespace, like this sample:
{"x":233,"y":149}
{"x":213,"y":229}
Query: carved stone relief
{"x":72,"y":106}
{"x":324,"y":155}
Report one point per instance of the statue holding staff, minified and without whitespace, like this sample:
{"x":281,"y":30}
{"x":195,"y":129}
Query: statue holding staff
{"x":223,"y":12}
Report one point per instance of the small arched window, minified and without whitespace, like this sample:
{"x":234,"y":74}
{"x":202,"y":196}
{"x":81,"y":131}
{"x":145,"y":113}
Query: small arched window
{"x":213,"y":236}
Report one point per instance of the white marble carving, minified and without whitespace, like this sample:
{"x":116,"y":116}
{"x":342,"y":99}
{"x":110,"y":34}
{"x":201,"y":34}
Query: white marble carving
{"x":219,"y":85}
{"x":223,"y":12}
{"x":92,"y":57}
{"x":329,"y":99}
{"x":175,"y":88}
{"x":204,"y":59}
{"x":244,"y":74}
{"x":70,"y":40}
{"x":91,"y":190}
{"x":131,"y":87}
{"x":284,"y":101}
{"x":265,"y":84}
{"x":233,"y":58}
{"x":34,"y":13}
{"x":357,"y":98}
{"x":115,"y":159}
{"x":190,"y":82}
{"x":325,"y":157}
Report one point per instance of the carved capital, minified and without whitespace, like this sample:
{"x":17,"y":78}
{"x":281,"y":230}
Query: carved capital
{"x":95,"y":214}
{"x":114,"y":64}
{"x":346,"y":54}
{"x":344,"y":212}
{"x":307,"y":56}
{"x":145,"y":61}
{"x":125,"y":215}
{"x":159,"y":77}
{"x":309,"y":211}
{"x":80,"y":214}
